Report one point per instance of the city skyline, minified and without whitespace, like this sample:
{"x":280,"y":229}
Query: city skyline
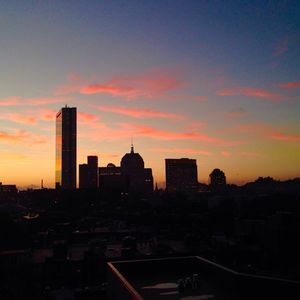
{"x":219,"y":83}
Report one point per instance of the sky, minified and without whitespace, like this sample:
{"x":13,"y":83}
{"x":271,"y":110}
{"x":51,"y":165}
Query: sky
{"x":216,"y":81}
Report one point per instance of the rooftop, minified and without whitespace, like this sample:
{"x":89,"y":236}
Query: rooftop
{"x":195,"y":278}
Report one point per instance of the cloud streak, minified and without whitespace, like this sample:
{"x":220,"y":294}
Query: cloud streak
{"x":151,"y":132}
{"x":139,"y":113}
{"x":18,"y":101}
{"x":289,"y":85}
{"x":21,"y":137}
{"x":183,"y":151}
{"x":154,"y":83}
{"x":19,"y":118}
{"x":251,"y":92}
{"x":286,"y":137}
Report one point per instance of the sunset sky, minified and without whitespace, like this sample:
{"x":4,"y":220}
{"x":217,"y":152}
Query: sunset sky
{"x":217,"y":81}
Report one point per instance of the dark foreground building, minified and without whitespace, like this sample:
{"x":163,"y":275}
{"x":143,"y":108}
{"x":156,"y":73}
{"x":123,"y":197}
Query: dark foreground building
{"x":66,"y":135}
{"x":88,"y":173}
{"x":111,"y":178}
{"x":191,"y":277}
{"x":181,"y":175}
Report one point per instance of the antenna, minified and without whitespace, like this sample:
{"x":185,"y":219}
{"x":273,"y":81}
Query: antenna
{"x":132,"y":149}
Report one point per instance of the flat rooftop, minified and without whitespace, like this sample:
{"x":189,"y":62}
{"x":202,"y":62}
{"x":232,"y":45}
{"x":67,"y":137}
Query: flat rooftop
{"x":165,"y":279}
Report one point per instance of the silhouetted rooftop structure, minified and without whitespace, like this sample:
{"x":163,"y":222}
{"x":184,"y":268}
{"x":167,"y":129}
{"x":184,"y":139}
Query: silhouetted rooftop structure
{"x":191,"y":277}
{"x":217,"y":180}
{"x":181,"y":175}
{"x":140,"y":179}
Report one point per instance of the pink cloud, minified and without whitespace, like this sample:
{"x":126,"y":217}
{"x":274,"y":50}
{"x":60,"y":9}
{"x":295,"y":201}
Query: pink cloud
{"x":250,"y":92}
{"x":86,"y":117}
{"x":21,"y":137}
{"x":139,"y":113}
{"x":100,"y":130}
{"x":253,"y":127}
{"x":183,"y":151}
{"x":286,"y":137}
{"x":131,"y":86}
{"x":281,"y":47}
{"x":19,"y":118}
{"x":226,"y":153}
{"x":10,"y":101}
{"x":141,"y":130}
{"x":18,"y":101}
{"x":289,"y":85}
{"x":47,"y":114}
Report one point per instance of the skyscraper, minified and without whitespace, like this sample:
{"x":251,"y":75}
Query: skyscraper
{"x":181,"y":175}
{"x":65,"y":166}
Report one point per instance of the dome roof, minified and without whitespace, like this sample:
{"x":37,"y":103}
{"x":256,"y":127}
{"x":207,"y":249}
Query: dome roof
{"x":132,"y":161}
{"x":111,"y":165}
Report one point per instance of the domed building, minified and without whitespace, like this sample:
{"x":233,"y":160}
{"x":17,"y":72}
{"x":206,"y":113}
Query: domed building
{"x":140,"y":179}
{"x":217,"y":180}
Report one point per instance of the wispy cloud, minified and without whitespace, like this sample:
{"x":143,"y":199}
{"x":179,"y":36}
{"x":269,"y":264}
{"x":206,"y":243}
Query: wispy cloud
{"x":21,"y":137}
{"x":18,"y":101}
{"x":151,"y":132}
{"x":251,"y":92}
{"x":139,"y":112}
{"x":19,"y":118}
{"x":86,"y":117}
{"x":281,"y":47}
{"x":286,"y":137}
{"x":289,"y":85}
{"x":226,"y":153}
{"x":100,"y":130}
{"x":183,"y":151}
{"x":154,"y":83}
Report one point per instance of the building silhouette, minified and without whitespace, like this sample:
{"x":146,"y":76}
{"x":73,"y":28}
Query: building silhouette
{"x":111,"y":178}
{"x":217,"y":180}
{"x":88,"y":173}
{"x":140,"y":179}
{"x":66,"y":135}
{"x":181,"y":175}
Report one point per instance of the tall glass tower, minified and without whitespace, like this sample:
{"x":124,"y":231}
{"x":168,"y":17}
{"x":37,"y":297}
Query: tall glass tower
{"x":66,"y":135}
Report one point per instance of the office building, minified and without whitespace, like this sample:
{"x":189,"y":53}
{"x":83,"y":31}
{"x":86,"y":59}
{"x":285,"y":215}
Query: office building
{"x":65,"y":166}
{"x":140,"y":179}
{"x":181,"y":175}
{"x":111,"y":178}
{"x":88,"y":173}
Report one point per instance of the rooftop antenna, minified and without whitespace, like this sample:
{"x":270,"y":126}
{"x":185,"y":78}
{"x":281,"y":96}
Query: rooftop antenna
{"x":132,"y":149}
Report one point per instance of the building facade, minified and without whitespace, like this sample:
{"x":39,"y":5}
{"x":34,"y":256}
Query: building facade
{"x":66,"y":136}
{"x":140,"y":179}
{"x":181,"y":175}
{"x":111,"y":178}
{"x":88,"y":173}
{"x":217,"y":180}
